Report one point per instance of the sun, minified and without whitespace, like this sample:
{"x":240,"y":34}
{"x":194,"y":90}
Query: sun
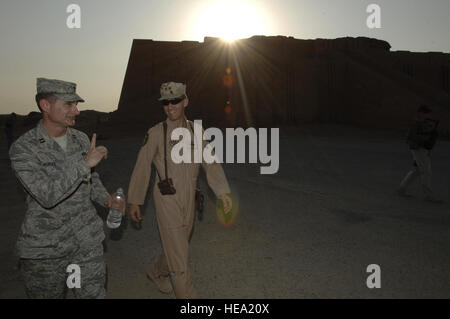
{"x":230,"y":20}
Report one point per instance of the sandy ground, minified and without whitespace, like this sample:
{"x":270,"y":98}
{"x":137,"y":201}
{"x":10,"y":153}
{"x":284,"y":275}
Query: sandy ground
{"x":309,"y":231}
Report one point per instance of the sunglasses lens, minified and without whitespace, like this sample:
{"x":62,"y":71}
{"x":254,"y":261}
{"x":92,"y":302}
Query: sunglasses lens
{"x":173,"y":102}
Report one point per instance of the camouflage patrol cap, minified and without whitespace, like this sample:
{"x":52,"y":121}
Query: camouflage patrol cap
{"x":172,"y":90}
{"x":61,"y":89}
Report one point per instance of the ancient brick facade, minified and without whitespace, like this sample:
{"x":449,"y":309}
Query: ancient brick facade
{"x":276,"y":81}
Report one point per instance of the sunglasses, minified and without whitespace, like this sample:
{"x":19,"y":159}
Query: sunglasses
{"x":172,"y":101}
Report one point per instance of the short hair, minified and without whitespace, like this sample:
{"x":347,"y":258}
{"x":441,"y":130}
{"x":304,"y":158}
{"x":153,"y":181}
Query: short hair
{"x":45,"y":96}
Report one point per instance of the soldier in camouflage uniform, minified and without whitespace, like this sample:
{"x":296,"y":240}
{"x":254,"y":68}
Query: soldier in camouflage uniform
{"x":422,"y":137}
{"x":174,"y":212}
{"x":61,"y":227}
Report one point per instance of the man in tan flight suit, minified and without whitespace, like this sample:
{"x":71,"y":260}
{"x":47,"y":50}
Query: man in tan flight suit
{"x":175,"y":212}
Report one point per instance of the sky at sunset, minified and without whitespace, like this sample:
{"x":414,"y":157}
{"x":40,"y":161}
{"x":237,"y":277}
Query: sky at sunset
{"x":36,"y":42}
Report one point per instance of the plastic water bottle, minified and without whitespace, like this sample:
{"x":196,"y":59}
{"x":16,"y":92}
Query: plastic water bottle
{"x":115,"y":214}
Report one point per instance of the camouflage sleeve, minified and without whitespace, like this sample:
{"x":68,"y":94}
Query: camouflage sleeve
{"x":140,"y":177}
{"x":98,"y":192}
{"x":47,"y":184}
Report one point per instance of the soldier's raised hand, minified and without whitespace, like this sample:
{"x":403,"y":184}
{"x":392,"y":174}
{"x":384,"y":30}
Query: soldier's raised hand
{"x":95,"y":153}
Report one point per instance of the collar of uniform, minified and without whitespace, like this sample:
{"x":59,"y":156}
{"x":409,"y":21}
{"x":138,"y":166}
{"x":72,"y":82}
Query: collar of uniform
{"x":42,"y":135}
{"x":171,"y":125}
{"x":44,"y":138}
{"x":72,"y":141}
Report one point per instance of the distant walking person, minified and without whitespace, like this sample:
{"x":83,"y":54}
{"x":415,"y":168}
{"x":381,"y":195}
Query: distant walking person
{"x":421,"y":139}
{"x":9,"y":128}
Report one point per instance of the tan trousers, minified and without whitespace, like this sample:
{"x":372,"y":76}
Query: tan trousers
{"x":174,"y":260}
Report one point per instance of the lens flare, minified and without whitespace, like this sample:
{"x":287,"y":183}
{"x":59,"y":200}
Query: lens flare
{"x":228,"y":109}
{"x":227,"y":220}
